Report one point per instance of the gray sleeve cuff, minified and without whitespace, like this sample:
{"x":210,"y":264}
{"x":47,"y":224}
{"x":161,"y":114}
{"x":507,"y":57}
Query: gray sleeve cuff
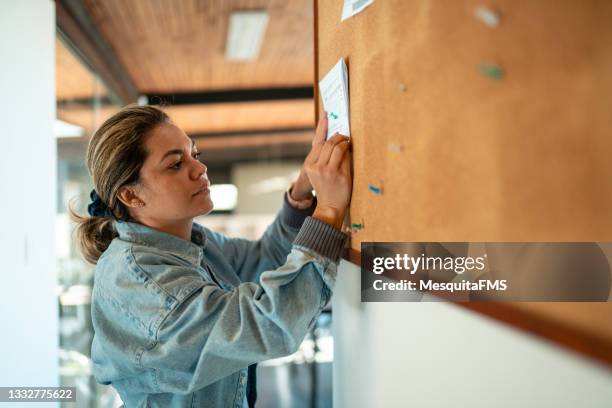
{"x":321,"y":238}
{"x":295,"y":217}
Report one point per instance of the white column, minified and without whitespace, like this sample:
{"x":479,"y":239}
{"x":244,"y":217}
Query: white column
{"x":28,"y":196}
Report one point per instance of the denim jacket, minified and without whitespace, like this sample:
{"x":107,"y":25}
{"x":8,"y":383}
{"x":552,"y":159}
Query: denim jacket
{"x":177,"y":323}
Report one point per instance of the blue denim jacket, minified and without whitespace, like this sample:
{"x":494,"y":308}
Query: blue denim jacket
{"x":177,"y":323}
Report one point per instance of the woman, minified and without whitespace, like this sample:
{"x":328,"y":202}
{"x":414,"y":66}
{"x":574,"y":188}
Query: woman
{"x":182,"y":314}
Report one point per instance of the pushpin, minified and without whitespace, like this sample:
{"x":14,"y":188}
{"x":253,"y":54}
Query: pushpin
{"x":487,"y":16}
{"x":375,"y":190}
{"x":356,"y":227}
{"x":493,"y":71}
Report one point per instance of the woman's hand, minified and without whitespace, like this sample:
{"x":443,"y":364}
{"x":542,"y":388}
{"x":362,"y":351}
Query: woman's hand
{"x":328,"y":169}
{"x":302,"y":189}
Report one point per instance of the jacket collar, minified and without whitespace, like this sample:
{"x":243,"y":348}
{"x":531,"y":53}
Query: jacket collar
{"x":144,"y":235}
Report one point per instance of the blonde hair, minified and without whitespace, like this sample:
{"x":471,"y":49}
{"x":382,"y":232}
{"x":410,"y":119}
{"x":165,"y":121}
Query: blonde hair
{"x":115,"y":155}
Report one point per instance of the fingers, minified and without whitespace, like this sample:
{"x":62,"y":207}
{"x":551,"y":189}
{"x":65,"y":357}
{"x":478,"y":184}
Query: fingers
{"x":329,"y":147}
{"x":315,"y":152}
{"x":345,"y":165}
{"x":338,"y":154}
{"x":321,"y":132}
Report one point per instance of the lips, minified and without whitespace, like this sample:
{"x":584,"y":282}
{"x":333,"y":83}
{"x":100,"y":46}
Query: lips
{"x":203,"y":189}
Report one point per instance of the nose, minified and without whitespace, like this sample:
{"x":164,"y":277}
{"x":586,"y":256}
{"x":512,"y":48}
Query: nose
{"x":199,"y":169}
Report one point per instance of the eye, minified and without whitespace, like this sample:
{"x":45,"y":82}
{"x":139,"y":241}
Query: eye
{"x":196,"y":155}
{"x":176,"y":165}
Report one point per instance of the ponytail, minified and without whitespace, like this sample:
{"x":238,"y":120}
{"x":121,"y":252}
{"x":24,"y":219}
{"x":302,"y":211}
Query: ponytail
{"x":93,"y":234}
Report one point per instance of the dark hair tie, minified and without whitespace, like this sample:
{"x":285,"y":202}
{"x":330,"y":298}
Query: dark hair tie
{"x":98,"y":208}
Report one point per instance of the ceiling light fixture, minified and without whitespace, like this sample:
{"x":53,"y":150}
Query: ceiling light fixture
{"x":245,"y":34}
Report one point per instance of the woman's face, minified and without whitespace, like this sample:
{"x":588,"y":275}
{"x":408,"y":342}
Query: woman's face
{"x":174,"y":185}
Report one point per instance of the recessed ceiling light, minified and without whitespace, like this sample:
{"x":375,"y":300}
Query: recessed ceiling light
{"x":245,"y":34}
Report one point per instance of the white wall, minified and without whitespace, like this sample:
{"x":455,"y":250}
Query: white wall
{"x":439,"y":355}
{"x":28,"y":303}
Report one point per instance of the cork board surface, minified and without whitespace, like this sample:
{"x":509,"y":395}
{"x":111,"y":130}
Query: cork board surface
{"x":521,"y":158}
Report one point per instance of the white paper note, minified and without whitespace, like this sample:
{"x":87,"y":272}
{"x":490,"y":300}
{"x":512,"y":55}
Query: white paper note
{"x":334,"y":93}
{"x":352,"y":7}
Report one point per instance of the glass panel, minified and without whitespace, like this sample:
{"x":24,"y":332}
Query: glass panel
{"x":82,"y":104}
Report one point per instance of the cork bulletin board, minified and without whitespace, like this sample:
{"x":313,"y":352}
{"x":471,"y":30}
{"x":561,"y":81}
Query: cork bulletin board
{"x":482,"y":131}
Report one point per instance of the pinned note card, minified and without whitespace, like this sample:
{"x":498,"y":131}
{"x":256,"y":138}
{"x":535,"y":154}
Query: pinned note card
{"x":334,"y":93}
{"x":352,"y":7}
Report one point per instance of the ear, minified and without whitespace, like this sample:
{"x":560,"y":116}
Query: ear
{"x":128,"y":196}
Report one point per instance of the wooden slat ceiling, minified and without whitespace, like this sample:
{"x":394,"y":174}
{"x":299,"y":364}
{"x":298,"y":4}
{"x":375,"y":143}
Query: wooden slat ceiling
{"x":86,"y":117}
{"x":214,"y":143}
{"x":179,"y":45}
{"x":72,"y":80}
{"x":213,"y":118}
{"x":240,"y":116}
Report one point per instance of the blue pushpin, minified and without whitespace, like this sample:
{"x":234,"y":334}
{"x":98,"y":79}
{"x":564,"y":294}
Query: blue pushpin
{"x":375,"y":190}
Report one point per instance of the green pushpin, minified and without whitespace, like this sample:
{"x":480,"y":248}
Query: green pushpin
{"x":356,"y":226}
{"x":333,"y":115}
{"x":493,"y":71}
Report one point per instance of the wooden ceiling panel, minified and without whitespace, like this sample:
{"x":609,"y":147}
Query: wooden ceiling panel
{"x":241,"y":142}
{"x":86,"y":117}
{"x":212,"y":118}
{"x":72,"y":79}
{"x":179,"y":46}
{"x":243,"y":116}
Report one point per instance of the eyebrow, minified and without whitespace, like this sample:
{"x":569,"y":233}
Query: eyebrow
{"x":177,"y":151}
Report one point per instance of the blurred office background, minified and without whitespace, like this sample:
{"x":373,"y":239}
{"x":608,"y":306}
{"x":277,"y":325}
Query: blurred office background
{"x":237,"y":76}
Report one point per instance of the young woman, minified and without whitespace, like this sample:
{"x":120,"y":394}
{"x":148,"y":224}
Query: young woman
{"x":182,"y":314}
